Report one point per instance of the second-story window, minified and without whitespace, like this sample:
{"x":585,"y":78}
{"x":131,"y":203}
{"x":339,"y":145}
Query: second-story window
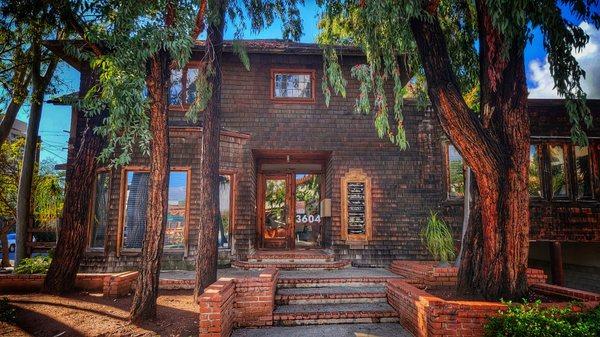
{"x":535,"y":178}
{"x":583,"y":172}
{"x":292,"y":85}
{"x":183,"y":86}
{"x":558,"y":171}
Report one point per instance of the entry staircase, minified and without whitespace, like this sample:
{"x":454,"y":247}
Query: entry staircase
{"x":292,"y":260}
{"x":331,"y":300}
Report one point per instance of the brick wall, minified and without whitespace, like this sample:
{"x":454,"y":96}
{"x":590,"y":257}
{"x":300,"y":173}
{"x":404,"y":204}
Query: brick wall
{"x":113,"y":285}
{"x":238,"y":302}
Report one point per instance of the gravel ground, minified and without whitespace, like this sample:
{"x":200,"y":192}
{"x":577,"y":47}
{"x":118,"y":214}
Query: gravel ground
{"x":336,"y":330}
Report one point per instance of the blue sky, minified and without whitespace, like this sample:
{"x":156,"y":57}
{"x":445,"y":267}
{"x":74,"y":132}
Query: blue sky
{"x":56,"y":119}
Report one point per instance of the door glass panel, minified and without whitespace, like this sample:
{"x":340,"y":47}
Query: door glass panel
{"x":275,"y":210}
{"x":307,"y":220}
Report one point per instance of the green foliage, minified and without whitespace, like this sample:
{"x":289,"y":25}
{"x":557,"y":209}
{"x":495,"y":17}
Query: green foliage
{"x":436,"y":236}
{"x":47,"y":189}
{"x":382,"y":30}
{"x":532,"y":320}
{"x":34,"y":265}
{"x":8,"y":314}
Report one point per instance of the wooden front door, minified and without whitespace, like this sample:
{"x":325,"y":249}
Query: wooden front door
{"x":275,"y":213}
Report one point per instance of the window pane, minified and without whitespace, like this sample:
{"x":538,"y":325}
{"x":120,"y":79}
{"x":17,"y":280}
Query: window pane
{"x":175,"y":232}
{"x":293,"y":85}
{"x":584,"y":176}
{"x":456,"y":173}
{"x":535,"y":182}
{"x":557,"y":171}
{"x":175,"y":90}
{"x":136,"y":205}
{"x":308,"y":216}
{"x":225,"y":207}
{"x":100,"y":212}
{"x":192,"y":75}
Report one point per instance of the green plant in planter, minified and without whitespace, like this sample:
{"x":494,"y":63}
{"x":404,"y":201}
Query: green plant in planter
{"x":437,"y":238}
{"x":34,"y":265}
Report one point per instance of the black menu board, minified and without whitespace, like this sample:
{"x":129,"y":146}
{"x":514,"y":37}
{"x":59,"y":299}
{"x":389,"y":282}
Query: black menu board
{"x":356,"y":208}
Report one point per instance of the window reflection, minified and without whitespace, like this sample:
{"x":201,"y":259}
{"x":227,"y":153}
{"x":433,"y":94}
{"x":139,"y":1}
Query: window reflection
{"x":100,"y":211}
{"x":535,"y":181}
{"x":307,"y":217}
{"x":583,"y":171}
{"x":293,"y":85}
{"x":176,"y":85}
{"x":136,"y":205}
{"x":557,"y":171}
{"x":176,"y":214}
{"x":275,"y":209}
{"x":192,"y":75}
{"x":225,"y":208}
{"x":456,"y":173}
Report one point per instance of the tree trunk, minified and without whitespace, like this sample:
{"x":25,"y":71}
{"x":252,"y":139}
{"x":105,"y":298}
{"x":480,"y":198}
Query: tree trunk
{"x":4,"y":229}
{"x":81,"y":174}
{"x":8,"y":120}
{"x":144,"y":302}
{"x":20,"y":83}
{"x":497,"y":152}
{"x":31,"y":143}
{"x":206,"y":259}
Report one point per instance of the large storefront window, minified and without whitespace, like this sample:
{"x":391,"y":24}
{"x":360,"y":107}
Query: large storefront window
{"x":456,"y":173}
{"x":308,"y":217}
{"x":177,"y":212}
{"x":99,"y":216}
{"x":583,"y":172}
{"x":136,"y":205}
{"x":535,"y":180}
{"x":225,"y":208}
{"x":557,"y":171}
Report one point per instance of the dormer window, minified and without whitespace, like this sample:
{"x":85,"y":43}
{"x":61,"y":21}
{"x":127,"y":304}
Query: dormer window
{"x":293,"y":85}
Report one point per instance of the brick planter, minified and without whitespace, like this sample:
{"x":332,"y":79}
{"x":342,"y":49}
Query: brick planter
{"x":427,"y":273}
{"x":114,"y":285}
{"x":238,"y":302}
{"x":427,"y":315}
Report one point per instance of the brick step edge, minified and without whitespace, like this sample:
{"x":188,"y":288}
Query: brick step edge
{"x":291,"y":260}
{"x":292,"y":266}
{"x":321,"y":282}
{"x":374,"y":316}
{"x":330,"y":298}
{"x":326,"y":321}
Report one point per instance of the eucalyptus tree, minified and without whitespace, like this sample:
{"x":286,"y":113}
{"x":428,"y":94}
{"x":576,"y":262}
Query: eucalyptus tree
{"x":459,"y":50}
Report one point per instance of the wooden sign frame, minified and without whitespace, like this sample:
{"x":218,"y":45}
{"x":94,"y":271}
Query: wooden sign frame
{"x":356,"y":176}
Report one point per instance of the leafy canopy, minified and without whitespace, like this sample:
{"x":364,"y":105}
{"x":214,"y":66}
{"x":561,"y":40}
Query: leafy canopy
{"x":132,"y":32}
{"x":382,"y":30}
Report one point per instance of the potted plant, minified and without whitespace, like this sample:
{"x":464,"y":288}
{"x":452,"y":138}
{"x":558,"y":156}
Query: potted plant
{"x":437,"y":238}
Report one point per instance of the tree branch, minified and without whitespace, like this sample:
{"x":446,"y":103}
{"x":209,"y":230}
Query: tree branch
{"x":199,"y":26}
{"x":70,"y":19}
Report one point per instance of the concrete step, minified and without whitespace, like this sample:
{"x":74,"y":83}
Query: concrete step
{"x":311,"y":314}
{"x":284,"y":265}
{"x":292,"y":256}
{"x":331,"y":295}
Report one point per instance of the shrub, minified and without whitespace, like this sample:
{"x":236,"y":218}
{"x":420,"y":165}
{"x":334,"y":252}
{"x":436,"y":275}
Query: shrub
{"x":34,"y":265}
{"x":436,"y":236}
{"x":7,"y":312}
{"x":531,"y":320}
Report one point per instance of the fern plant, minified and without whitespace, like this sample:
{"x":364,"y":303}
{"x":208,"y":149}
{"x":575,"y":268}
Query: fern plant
{"x":437,"y":238}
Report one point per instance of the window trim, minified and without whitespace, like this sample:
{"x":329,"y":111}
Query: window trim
{"x":293,"y":71}
{"x":183,"y":106}
{"x":446,"y":147}
{"x":91,"y":210}
{"x":121,"y":221}
{"x":232,"y":195}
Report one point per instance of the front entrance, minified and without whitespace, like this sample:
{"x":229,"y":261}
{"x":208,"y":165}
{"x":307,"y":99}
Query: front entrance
{"x":289,"y":196}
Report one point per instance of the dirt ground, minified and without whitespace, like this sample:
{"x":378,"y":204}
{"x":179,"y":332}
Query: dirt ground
{"x":86,"y":314}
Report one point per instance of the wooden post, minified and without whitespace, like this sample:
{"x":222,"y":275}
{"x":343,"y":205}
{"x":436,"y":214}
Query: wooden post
{"x":556,"y":264}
